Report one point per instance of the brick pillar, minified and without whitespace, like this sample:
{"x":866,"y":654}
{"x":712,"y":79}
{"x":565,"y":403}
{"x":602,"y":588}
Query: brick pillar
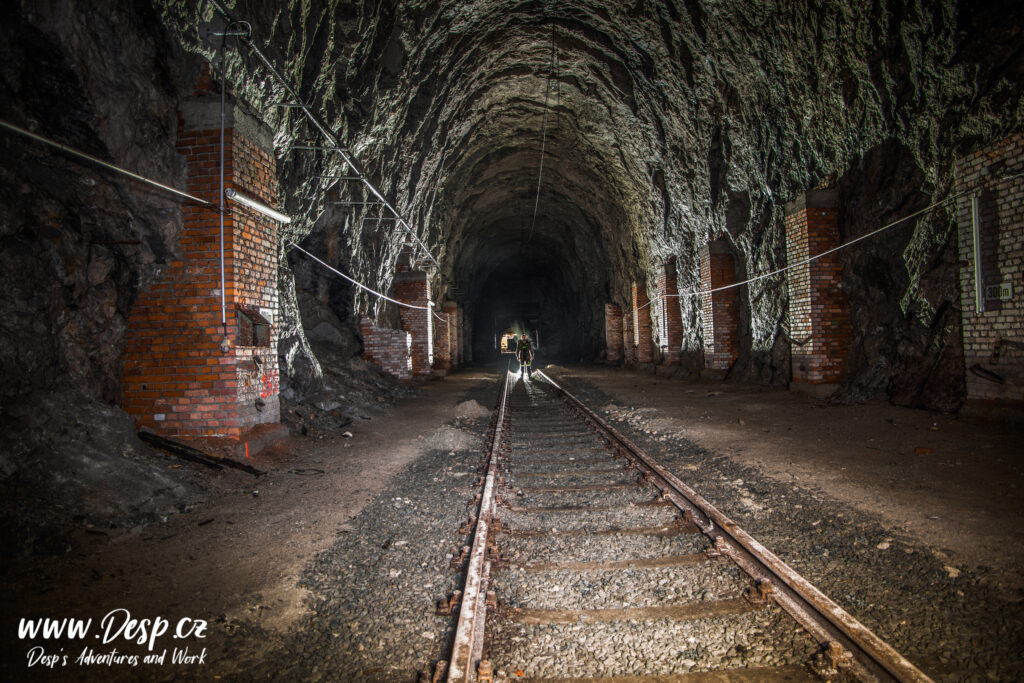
{"x":628,"y":345}
{"x":442,"y":344}
{"x":386,"y":348}
{"x":613,"y":333}
{"x":185,"y":374}
{"x":818,"y":310}
{"x":467,"y":336}
{"x":671,"y":316}
{"x":642,"y":324}
{"x":452,"y":309}
{"x":1000,"y":201}
{"x":720,"y":310}
{"x":412,"y":287}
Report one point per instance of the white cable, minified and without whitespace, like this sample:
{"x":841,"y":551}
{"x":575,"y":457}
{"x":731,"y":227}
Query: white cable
{"x":328,"y":135}
{"x":702,"y":292}
{"x":89,"y":157}
{"x":359,"y":284}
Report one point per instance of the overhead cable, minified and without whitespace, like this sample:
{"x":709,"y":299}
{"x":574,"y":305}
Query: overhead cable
{"x":544,"y":133}
{"x":327,"y":134}
{"x":358,"y":284}
{"x":91,"y":158}
{"x":762,"y":276}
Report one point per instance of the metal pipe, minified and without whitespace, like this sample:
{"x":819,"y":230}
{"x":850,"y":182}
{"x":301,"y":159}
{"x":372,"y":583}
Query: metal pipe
{"x":220,"y":195}
{"x":979,"y":279}
{"x":91,"y":158}
{"x":236,"y":196}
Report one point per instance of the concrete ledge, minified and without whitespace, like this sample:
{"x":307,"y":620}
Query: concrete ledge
{"x":814,"y":199}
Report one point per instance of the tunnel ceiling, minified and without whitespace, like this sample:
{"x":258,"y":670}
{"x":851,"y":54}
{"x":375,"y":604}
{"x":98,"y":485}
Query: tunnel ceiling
{"x":667,"y":124}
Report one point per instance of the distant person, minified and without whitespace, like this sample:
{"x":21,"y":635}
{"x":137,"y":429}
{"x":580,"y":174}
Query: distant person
{"x":524,"y":354}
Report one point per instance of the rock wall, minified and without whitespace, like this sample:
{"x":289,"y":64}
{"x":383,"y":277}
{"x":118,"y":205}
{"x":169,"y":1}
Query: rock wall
{"x":663,"y":126}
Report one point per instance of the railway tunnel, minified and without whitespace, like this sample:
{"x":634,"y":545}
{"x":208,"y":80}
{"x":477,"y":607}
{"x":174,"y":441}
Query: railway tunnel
{"x":260,"y":258}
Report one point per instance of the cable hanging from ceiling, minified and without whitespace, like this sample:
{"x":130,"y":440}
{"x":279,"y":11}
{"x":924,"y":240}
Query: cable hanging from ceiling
{"x":806,"y":261}
{"x":552,"y":75}
{"x":333,"y":143}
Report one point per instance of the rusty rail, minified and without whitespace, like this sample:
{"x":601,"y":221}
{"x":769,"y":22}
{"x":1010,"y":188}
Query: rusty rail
{"x":469,"y":634}
{"x":871,"y":657}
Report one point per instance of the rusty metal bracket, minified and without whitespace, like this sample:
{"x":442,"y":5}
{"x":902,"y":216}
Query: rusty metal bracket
{"x":446,"y":606}
{"x":466,"y":528}
{"x":831,"y":659}
{"x":495,"y":557}
{"x":761,"y":593}
{"x":719,"y":549}
{"x":485,"y":672}
{"x":459,"y":558}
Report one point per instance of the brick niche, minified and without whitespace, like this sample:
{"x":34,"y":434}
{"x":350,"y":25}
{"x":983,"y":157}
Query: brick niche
{"x":993,"y":337}
{"x":720,"y":311}
{"x":388,"y":349}
{"x":413,"y":287}
{"x":176,"y":379}
{"x":642,"y":324}
{"x":819,"y":315}
{"x":613,"y":333}
{"x":442,"y":344}
{"x":628,"y":345}
{"x":451,"y":308}
{"x":670,"y":315}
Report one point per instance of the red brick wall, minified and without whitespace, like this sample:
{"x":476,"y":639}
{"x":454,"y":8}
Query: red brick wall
{"x":388,"y":349}
{"x":628,"y":345}
{"x":613,"y":333}
{"x":442,"y":342}
{"x":1001,"y":213}
{"x":642,"y":324}
{"x":463,"y":337}
{"x":413,"y":287}
{"x":452,"y":309}
{"x":818,"y":310}
{"x":719,"y":310}
{"x":670,"y":316}
{"x":176,"y":380}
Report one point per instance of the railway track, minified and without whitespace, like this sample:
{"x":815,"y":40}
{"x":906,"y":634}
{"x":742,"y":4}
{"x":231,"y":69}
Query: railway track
{"x":586,"y":560}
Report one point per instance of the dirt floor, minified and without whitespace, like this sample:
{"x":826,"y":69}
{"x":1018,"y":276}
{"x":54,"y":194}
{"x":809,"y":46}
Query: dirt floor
{"x":236,"y":556}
